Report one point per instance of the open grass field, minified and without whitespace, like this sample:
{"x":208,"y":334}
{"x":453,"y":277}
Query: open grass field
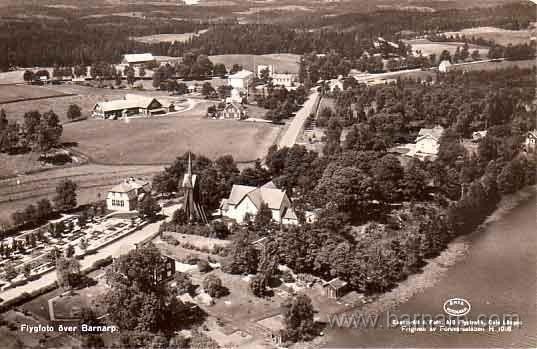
{"x":528,"y":63}
{"x":160,"y":140}
{"x":14,"y":93}
{"x":498,"y":35}
{"x":92,"y":180}
{"x":427,"y":47}
{"x":153,"y":39}
{"x":283,"y":62}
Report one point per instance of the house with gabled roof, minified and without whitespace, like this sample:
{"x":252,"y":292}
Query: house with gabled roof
{"x":428,"y":142}
{"x":131,"y":105}
{"x":247,"y":200}
{"x":335,"y":288}
{"x":125,"y":196}
{"x":234,"y":111}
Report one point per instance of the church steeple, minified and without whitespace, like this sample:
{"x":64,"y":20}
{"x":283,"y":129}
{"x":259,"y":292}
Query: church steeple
{"x":191,"y":191}
{"x":189,"y":165}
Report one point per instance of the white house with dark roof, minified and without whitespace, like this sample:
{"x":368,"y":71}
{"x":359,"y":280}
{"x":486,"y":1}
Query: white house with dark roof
{"x":138,"y":59}
{"x":246,"y":199}
{"x":125,"y":196}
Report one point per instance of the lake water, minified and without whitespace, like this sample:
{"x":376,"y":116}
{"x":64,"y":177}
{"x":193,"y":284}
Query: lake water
{"x":497,"y":275}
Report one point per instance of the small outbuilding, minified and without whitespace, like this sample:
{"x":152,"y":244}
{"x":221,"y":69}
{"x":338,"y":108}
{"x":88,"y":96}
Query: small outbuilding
{"x":335,"y":288}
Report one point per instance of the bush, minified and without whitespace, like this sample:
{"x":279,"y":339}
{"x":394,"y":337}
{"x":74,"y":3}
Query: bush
{"x":101,"y":263}
{"x":191,"y":259}
{"x":204,"y":266}
{"x":219,"y":250}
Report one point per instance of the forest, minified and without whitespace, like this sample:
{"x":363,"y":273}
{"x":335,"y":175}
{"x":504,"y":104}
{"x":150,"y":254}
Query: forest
{"x":66,"y":39}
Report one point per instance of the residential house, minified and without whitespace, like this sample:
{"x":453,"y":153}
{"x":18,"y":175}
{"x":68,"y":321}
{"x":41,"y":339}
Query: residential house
{"x":132,"y":105}
{"x":335,"y":288}
{"x":427,"y":142}
{"x":245,"y":200}
{"x":530,"y":143}
{"x":125,"y":196}
{"x":284,"y":79}
{"x":138,"y":59}
{"x":234,"y":111}
{"x":241,"y":79}
{"x":478,"y":135}
{"x":444,"y":66}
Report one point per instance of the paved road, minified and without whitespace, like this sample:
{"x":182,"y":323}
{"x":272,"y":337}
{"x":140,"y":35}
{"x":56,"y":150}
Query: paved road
{"x":123,"y":245}
{"x":291,"y":135}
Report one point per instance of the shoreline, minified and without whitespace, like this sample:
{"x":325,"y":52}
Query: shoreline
{"x":437,"y":267}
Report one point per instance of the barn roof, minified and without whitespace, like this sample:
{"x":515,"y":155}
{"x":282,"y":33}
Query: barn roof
{"x":243,"y":74}
{"x":130,"y":101}
{"x":138,"y":57}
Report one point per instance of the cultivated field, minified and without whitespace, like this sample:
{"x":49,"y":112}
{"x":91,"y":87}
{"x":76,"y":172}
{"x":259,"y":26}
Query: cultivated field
{"x":161,"y":139}
{"x":152,"y":39}
{"x":14,"y":93}
{"x":427,"y":47}
{"x":283,"y":62}
{"x":498,"y":35}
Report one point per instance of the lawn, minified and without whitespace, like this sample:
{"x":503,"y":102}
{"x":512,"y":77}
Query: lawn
{"x":160,"y":140}
{"x":14,"y":93}
{"x":500,"y":36}
{"x":283,"y":62}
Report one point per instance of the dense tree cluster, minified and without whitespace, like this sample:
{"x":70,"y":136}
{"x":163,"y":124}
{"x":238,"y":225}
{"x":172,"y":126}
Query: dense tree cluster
{"x":281,"y":102}
{"x":39,"y":131}
{"x":138,"y":299}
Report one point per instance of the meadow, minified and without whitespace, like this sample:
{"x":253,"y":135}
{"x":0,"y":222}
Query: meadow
{"x":159,"y":140}
{"x":283,"y":62}
{"x":427,"y":47}
{"x":17,"y":93}
{"x":500,"y":36}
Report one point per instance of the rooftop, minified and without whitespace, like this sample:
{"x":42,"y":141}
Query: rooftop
{"x":138,"y":57}
{"x":243,"y":74}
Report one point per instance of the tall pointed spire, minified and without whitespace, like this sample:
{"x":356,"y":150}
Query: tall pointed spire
{"x":189,"y":164}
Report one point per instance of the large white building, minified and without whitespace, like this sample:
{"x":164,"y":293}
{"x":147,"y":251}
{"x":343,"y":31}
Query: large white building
{"x":241,"y":79}
{"x":284,"y":79}
{"x":138,"y":59}
{"x":428,"y":142}
{"x":245,"y":200}
{"x":125,"y":196}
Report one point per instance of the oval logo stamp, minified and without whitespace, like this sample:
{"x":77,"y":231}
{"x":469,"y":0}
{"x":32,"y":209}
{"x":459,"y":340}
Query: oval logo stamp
{"x":457,"y":307}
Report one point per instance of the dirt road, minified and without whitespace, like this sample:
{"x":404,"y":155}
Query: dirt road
{"x":291,"y":134}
